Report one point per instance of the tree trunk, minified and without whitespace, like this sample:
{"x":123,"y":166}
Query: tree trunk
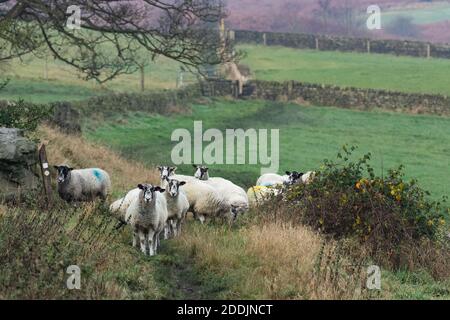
{"x":142,"y":68}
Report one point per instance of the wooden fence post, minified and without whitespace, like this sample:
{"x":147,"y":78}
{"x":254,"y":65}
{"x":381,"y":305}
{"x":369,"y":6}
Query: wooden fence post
{"x":428,"y":51}
{"x":368,"y":46}
{"x":264,"y":39}
{"x":317,"y":43}
{"x":45,"y":170}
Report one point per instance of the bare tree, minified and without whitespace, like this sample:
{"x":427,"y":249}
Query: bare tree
{"x":113,"y":31}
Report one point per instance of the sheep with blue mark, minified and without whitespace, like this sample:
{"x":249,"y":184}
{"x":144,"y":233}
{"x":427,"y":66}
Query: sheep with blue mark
{"x":82,"y":184}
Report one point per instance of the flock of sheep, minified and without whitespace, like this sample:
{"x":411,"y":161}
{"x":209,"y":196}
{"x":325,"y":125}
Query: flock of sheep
{"x":155,"y":211}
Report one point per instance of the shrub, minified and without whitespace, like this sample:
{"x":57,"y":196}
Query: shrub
{"x":23,"y":115}
{"x":347,"y":200}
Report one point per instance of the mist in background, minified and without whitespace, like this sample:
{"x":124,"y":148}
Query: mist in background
{"x":424,"y":20}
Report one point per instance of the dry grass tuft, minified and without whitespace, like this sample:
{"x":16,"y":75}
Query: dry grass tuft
{"x":79,"y":153}
{"x":273,"y":261}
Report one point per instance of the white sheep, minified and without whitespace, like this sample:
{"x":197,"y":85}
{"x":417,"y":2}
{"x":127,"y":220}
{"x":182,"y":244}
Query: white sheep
{"x":204,"y":200}
{"x":236,"y":196}
{"x":82,"y":184}
{"x":147,"y":215}
{"x":308,"y":177}
{"x":177,"y":207}
{"x":165,"y":172}
{"x":120,"y":206}
{"x":273,"y":179}
{"x":257,"y":195}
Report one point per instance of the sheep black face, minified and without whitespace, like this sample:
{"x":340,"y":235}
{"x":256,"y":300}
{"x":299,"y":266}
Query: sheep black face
{"x":201,"y":172}
{"x":234,"y":212}
{"x":149,"y":192}
{"x":63,"y":173}
{"x":293,"y":177}
{"x":174,"y":186}
{"x":166,"y":171}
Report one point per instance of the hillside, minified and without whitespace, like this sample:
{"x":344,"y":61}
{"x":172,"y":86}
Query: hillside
{"x":207,"y":262}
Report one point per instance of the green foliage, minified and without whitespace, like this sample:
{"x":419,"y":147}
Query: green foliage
{"x":347,"y":199}
{"x":3,"y":83}
{"x":23,"y":115}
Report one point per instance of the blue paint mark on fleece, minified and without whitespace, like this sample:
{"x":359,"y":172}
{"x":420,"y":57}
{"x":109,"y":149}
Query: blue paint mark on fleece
{"x":98,"y":174}
{"x":267,"y":184}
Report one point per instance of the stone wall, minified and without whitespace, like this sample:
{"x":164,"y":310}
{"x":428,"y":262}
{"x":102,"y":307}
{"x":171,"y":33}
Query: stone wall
{"x":18,"y":159}
{"x":333,"y":43}
{"x":327,"y":95}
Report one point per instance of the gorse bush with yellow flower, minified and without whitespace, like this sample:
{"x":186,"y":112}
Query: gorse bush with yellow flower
{"x":385,"y":214}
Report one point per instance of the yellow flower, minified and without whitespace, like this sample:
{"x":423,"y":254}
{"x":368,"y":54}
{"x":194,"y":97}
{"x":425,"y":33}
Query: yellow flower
{"x":358,"y":185}
{"x":430,"y":222}
{"x":441,"y":222}
{"x":398,"y":197}
{"x":358,"y":220}
{"x":321,"y":221}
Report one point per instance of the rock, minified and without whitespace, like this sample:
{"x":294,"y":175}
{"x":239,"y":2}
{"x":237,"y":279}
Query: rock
{"x":18,"y":159}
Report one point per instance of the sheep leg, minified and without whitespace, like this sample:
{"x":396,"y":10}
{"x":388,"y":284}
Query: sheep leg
{"x":201,"y":218}
{"x":135,"y":239}
{"x":143,"y":241}
{"x":172,"y":228}
{"x":152,"y":242}
{"x":167,"y":230}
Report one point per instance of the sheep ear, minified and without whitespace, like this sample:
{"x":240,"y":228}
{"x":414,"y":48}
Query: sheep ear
{"x":160,"y":189}
{"x":140,"y":186}
{"x":56,"y":167}
{"x":173,"y":169}
{"x":195,"y":166}
{"x":70,"y":169}
{"x":301,"y":174}
{"x":182,"y":183}
{"x":288,"y":173}
{"x":159,"y":168}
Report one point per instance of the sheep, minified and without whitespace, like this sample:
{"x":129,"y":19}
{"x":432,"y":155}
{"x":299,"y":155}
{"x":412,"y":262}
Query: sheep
{"x":273,"y":179}
{"x":308,"y":177}
{"x":259,"y":194}
{"x":201,"y":172}
{"x":82,"y":184}
{"x":236,"y":196}
{"x":177,"y":206}
{"x":120,"y":206}
{"x":165,"y":172}
{"x":205,"y":201}
{"x":147,"y":215}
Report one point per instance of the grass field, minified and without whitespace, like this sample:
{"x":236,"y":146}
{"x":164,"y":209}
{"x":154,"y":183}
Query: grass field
{"x":64,"y":84}
{"x":307,"y":136}
{"x":208,"y":261}
{"x":406,"y":74}
{"x":267,"y":63}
